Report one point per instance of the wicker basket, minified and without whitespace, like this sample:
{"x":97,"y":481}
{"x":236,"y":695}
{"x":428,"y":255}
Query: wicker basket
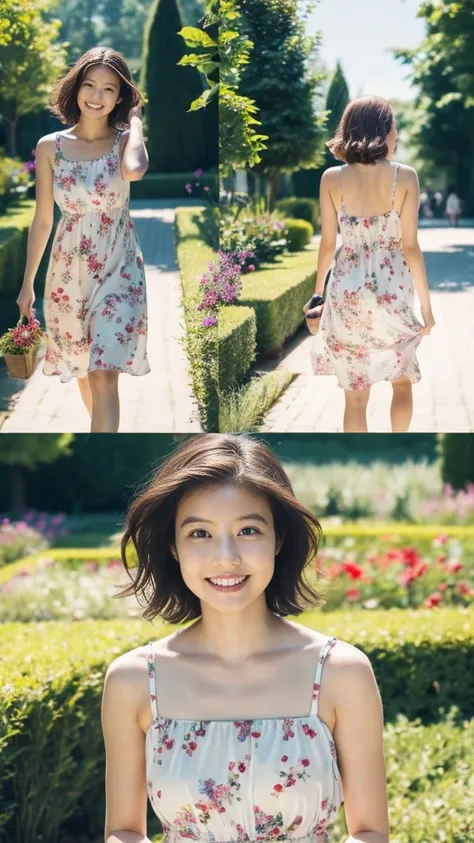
{"x":22,"y":365}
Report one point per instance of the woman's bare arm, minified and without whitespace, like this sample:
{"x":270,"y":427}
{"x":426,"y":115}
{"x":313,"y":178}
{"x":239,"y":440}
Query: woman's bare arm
{"x":358,"y":735}
{"x":125,"y":776}
{"x":327,"y":243}
{"x":41,"y":226}
{"x":135,"y":156}
{"x":411,"y":248}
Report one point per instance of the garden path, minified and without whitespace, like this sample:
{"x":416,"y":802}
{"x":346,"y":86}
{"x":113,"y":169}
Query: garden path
{"x":161,"y":401}
{"x":444,"y":398}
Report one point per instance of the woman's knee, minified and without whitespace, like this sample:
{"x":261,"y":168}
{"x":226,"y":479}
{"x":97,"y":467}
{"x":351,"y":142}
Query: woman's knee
{"x":103,"y":381}
{"x":358,"y":397}
{"x":402,"y":383}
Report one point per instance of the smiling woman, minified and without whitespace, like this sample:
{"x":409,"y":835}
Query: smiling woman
{"x":234,"y":703}
{"x":95,"y":293}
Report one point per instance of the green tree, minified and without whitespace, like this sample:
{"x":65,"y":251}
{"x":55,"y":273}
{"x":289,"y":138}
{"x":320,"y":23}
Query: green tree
{"x":284,"y":80}
{"x":30,"y":61}
{"x":224,"y":52}
{"x":336,"y":101}
{"x":442,"y":68}
{"x":176,"y":135}
{"x":27,"y":451}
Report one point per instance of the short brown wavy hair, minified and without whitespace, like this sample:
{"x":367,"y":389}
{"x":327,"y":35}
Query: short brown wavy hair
{"x":361,"y":135}
{"x":208,"y":460}
{"x":63,"y":102}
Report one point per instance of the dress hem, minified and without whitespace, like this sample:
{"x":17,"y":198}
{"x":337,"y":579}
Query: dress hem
{"x":96,"y":369}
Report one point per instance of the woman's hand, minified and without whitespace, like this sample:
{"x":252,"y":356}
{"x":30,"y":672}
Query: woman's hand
{"x":429,"y":321}
{"x":136,"y":111}
{"x":25,"y":302}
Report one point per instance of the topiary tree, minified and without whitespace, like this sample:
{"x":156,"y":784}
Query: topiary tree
{"x":175,"y":136}
{"x":306,"y":182}
{"x":284,"y":80}
{"x":336,"y":102}
{"x":457,"y":459}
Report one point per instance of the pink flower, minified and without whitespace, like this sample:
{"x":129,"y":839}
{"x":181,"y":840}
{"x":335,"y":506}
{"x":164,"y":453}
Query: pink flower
{"x":433,"y":600}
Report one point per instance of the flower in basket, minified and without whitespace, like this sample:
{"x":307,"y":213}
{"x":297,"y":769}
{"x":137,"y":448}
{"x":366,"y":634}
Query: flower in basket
{"x":22,"y":338}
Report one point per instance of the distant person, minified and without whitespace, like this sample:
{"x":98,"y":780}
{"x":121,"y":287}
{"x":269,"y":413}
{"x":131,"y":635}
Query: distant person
{"x":453,"y":206}
{"x":424,"y":203}
{"x":438,"y":203}
{"x":368,"y":326}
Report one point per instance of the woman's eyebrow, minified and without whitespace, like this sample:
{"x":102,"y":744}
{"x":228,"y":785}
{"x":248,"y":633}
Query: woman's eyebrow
{"x":192,"y":519}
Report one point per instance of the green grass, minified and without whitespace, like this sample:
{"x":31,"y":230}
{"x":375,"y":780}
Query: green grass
{"x":241,"y":410}
{"x":16,"y":216}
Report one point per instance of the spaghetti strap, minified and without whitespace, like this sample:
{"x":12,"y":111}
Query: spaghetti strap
{"x":340,"y":187}
{"x":317,"y":682}
{"x":152,"y":679}
{"x":395,"y":180}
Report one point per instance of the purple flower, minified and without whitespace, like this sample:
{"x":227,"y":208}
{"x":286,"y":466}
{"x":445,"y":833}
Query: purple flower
{"x":198,"y":173}
{"x":208,"y":321}
{"x":251,"y":267}
{"x":188,"y":187}
{"x":206,"y":188}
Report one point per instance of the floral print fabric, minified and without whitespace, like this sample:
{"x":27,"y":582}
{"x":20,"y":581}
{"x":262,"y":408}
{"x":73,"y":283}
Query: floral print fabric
{"x":245,"y":780}
{"x":368,"y":330}
{"x":95,"y":295}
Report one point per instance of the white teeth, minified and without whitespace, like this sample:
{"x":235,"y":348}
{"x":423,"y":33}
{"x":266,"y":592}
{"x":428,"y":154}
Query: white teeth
{"x":93,"y":106}
{"x":234,"y":581}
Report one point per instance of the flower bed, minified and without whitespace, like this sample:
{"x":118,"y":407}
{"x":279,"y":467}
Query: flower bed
{"x":35,"y":531}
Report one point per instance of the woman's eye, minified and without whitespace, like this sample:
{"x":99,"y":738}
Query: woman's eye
{"x":255,"y":531}
{"x":199,"y":531}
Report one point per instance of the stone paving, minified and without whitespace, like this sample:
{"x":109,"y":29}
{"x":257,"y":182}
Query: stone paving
{"x":161,"y":401}
{"x":443,"y":399}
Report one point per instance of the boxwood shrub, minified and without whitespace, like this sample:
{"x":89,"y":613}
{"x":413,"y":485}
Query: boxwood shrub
{"x":299,"y":234}
{"x":301,"y":208}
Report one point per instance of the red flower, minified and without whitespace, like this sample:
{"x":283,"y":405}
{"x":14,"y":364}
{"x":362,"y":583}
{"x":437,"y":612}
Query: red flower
{"x":453,"y":566}
{"x":433,"y":600}
{"x":284,"y":758}
{"x":352,"y":593}
{"x":242,"y":767}
{"x":410,"y":556}
{"x":354,"y":571}
{"x":278,"y":788}
{"x":305,"y":762}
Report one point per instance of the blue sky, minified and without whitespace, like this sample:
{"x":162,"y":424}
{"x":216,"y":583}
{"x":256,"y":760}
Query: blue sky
{"x":359,"y":33}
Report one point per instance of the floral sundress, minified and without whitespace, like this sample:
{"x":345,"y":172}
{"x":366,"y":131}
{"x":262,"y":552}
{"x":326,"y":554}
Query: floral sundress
{"x":95,"y":294}
{"x":368,"y":330}
{"x":217,"y":781}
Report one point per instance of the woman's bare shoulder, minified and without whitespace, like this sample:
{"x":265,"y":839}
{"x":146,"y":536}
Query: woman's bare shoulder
{"x":407,"y":173}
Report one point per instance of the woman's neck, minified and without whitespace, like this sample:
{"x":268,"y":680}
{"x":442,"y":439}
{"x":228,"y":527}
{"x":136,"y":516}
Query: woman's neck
{"x":92,"y":130}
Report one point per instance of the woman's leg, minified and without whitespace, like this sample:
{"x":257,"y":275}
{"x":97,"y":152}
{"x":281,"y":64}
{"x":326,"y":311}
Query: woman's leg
{"x":355,"y":412}
{"x":105,"y":401}
{"x":86,"y":394}
{"x":401,"y":409}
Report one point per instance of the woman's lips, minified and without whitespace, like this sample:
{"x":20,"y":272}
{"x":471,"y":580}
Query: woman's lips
{"x":226,"y":588}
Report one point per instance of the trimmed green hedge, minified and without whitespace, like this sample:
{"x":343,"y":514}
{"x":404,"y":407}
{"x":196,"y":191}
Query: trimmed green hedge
{"x":236,"y":332}
{"x":53,"y":762}
{"x":172,"y":186}
{"x":197,"y":243}
{"x":299,"y":234}
{"x":14,"y":226}
{"x":300,"y":208}
{"x":277,"y":295}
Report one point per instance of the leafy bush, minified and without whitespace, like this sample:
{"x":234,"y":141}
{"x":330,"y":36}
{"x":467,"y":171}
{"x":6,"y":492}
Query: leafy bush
{"x":51,"y":734}
{"x":298,"y":233}
{"x":236,"y":333}
{"x":34,"y":532}
{"x":14,"y":227}
{"x":173,"y":186}
{"x":457,"y":459}
{"x":197,"y":236}
{"x":409,"y":491}
{"x":263,"y":234}
{"x":300,"y":208}
{"x":15,"y":179}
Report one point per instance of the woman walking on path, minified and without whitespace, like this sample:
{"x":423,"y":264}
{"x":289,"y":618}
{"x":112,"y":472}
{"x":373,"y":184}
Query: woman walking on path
{"x":453,"y":206}
{"x":368,"y":329}
{"x":242,"y":725}
{"x":95,"y":295}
